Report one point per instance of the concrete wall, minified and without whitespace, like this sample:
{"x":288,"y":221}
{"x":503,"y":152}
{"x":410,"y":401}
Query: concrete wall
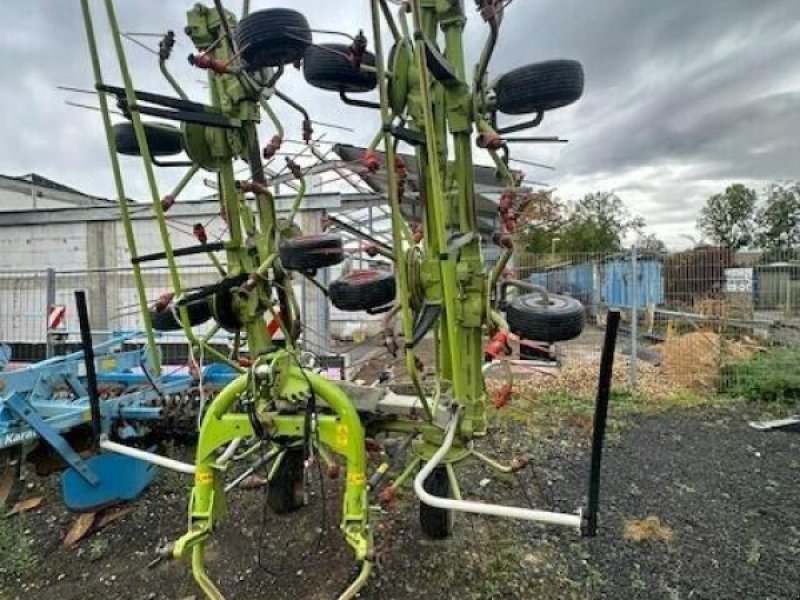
{"x":93,"y":256}
{"x":59,"y":246}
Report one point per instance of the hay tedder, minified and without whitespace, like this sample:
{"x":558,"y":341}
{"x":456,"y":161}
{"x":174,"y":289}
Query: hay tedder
{"x":278,"y":406}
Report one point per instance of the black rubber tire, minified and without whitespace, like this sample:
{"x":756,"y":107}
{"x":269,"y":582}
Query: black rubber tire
{"x":327,"y":67}
{"x":436,"y":523}
{"x":363,"y":290}
{"x":198,"y":312}
{"x":560,"y":320}
{"x":539,"y":87}
{"x":224,"y":313}
{"x":309,"y":252}
{"x":273,"y":37}
{"x":285,"y":489}
{"x":162,"y":139}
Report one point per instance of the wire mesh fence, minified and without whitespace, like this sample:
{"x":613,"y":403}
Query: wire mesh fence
{"x":23,"y":306}
{"x":692,"y":319}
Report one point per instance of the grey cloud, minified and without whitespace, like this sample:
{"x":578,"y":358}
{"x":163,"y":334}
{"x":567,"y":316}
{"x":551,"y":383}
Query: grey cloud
{"x":689,"y":94}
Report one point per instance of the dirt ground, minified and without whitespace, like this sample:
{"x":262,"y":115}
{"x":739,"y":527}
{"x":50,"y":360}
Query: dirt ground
{"x":725,"y":496}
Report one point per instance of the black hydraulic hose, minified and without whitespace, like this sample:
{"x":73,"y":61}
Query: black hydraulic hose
{"x":600,"y":419}
{"x":88,"y":357}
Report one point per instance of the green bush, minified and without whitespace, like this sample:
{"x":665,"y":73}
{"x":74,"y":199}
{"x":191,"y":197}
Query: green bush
{"x":772,"y":376}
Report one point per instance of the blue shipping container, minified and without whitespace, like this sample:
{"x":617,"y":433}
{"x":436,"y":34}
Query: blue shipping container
{"x":616,"y":289}
{"x":606,"y":282}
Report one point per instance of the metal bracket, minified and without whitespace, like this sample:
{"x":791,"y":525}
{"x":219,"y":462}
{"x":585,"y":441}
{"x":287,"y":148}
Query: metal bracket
{"x":17,"y":403}
{"x":355,"y":102}
{"x":202,"y":249}
{"x":409,"y":136}
{"x":182,"y":110}
{"x":440,"y":67}
{"x":535,"y":122}
{"x":459,"y":241}
{"x":427,"y":318}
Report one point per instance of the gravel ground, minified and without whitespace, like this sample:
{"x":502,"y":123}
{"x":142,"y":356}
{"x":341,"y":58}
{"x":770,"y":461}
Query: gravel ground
{"x":726,"y":496}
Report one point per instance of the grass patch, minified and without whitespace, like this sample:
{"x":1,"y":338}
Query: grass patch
{"x":98,"y":548}
{"x":771,"y":377}
{"x":17,"y":556}
{"x":548,"y":411}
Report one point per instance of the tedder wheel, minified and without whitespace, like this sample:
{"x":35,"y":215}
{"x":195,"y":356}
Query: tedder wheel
{"x":558,"y":320}
{"x":198,"y":312}
{"x":162,"y":139}
{"x":539,"y":87}
{"x":223,"y":309}
{"x":363,"y":290}
{"x":273,"y":37}
{"x":327,"y":67}
{"x":285,"y":489}
{"x":309,"y":252}
{"x":436,"y":523}
{"x":10,"y":470}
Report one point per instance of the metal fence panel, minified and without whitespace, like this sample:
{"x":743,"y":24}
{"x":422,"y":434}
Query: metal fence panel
{"x":686,"y":315}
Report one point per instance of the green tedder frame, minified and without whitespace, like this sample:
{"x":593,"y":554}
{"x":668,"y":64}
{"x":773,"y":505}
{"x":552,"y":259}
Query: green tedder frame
{"x":443,"y":284}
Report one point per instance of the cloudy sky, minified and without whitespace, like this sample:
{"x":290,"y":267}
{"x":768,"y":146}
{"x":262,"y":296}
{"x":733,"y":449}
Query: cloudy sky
{"x":682,"y":96}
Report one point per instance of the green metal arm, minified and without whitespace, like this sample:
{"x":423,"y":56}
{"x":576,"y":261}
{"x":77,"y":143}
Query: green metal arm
{"x":342,"y":432}
{"x":122,"y":197}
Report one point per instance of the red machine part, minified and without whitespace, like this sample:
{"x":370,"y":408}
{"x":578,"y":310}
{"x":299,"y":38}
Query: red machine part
{"x":163,"y":301}
{"x":200,"y":233}
{"x":388,"y":495}
{"x":502,"y":396}
{"x":506,"y":209}
{"x":370,"y":161}
{"x":252,"y":187}
{"x":271,"y":149}
{"x":167,"y":202}
{"x":294,"y":168}
{"x":490,"y":140}
{"x":208,"y":63}
{"x":498,"y":345}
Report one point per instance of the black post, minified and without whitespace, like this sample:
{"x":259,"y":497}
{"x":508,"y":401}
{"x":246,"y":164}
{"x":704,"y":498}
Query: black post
{"x":600,"y":418}
{"x":88,"y":357}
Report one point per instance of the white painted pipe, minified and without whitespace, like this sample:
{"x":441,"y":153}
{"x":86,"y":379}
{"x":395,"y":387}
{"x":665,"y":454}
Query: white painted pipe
{"x":480,"y":508}
{"x":156,"y":459}
{"x":229,"y":451}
